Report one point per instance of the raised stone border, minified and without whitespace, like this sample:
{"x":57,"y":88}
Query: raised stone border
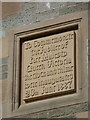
{"x":66,"y":111}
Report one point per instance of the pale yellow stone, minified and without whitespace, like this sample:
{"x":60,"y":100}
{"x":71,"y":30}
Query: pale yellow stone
{"x":45,"y":63}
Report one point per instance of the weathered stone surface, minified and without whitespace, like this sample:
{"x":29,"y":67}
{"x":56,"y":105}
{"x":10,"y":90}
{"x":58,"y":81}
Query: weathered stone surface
{"x":3,"y":68}
{"x":32,"y":13}
{"x":63,"y":112}
{"x":48,"y":66}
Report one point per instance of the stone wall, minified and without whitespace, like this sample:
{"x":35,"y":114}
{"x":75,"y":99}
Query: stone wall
{"x":21,"y":14}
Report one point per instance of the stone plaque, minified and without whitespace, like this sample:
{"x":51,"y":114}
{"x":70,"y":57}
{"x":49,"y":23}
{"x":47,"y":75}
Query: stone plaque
{"x":49,"y":66}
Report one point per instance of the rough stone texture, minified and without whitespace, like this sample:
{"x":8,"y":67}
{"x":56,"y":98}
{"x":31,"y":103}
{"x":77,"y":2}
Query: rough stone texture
{"x":36,"y":12}
{"x":3,"y":68}
{"x":32,"y":13}
{"x":67,"y":112}
{"x":27,"y":13}
{"x":89,"y":32}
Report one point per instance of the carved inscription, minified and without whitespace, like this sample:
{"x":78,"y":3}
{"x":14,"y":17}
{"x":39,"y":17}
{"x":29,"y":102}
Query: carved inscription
{"x":48,"y":65}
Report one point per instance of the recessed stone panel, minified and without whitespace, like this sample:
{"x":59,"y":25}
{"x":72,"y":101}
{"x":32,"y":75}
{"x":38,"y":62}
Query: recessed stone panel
{"x":48,"y":66}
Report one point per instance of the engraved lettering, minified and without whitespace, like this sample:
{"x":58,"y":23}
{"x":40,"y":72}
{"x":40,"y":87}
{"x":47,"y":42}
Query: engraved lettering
{"x":48,"y":65}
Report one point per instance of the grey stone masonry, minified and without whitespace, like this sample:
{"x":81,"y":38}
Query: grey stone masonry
{"x":3,"y":68}
{"x":36,"y":12}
